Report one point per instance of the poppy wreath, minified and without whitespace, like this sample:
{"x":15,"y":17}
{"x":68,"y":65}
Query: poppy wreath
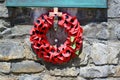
{"x":50,"y":53}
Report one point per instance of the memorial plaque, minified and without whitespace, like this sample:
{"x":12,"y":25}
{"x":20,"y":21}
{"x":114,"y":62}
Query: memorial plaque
{"x":58,"y":3}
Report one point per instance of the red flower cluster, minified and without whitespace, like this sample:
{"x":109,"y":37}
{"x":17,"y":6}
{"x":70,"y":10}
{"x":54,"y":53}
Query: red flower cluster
{"x":53,"y":54}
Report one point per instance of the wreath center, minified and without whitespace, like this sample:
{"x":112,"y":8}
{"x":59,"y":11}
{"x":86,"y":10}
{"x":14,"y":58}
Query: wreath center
{"x":56,"y":37}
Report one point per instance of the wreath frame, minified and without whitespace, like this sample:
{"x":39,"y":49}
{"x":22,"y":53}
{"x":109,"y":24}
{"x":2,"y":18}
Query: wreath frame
{"x":65,"y":52}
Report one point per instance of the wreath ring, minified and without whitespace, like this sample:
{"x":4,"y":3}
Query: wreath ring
{"x":64,"y":53}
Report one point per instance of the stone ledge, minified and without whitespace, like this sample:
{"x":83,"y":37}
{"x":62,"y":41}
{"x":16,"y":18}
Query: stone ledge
{"x":8,"y":77}
{"x":11,"y":49}
{"x":29,"y":77}
{"x":27,"y":67}
{"x":96,"y":71}
{"x":21,"y":30}
{"x":65,"y":72}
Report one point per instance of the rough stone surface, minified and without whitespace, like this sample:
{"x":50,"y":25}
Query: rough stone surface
{"x":96,"y":71}
{"x":4,"y":67}
{"x":29,"y":54}
{"x":97,"y":30}
{"x":80,"y":78}
{"x":117,"y":32}
{"x":114,"y":52}
{"x":10,"y":49}
{"x":65,"y":72}
{"x":114,"y":24}
{"x":102,"y":25}
{"x":1,"y":36}
{"x":84,"y":55}
{"x":117,"y":71}
{"x":90,"y":30}
{"x":107,"y":49}
{"x":6,"y":32}
{"x":67,"y":78}
{"x":107,"y":79}
{"x":98,"y":50}
{"x":49,"y":77}
{"x":103,"y":34}
{"x":4,"y":23}
{"x":3,"y":77}
{"x":21,"y":30}
{"x":113,"y":8}
{"x":2,"y":27}
{"x":27,"y":67}
{"x":3,"y":11}
{"x":16,"y":49}
{"x":29,"y":77}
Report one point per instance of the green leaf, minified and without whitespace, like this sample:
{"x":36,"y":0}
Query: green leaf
{"x":74,"y":46}
{"x":77,"y":52}
{"x":72,"y":38}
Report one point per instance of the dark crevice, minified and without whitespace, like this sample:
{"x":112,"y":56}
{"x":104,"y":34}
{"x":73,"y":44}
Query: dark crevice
{"x":27,"y":15}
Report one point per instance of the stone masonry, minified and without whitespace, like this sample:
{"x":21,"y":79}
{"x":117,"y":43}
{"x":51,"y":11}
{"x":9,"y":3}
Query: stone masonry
{"x":99,"y":59}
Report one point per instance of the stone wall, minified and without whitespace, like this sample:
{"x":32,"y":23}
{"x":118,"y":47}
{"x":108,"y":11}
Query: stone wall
{"x":99,"y":59}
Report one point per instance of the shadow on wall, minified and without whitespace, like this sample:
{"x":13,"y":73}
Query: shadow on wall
{"x":29,"y":15}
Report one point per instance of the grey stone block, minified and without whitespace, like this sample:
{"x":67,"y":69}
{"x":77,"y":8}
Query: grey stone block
{"x":10,"y":49}
{"x":21,"y":30}
{"x":96,"y":71}
{"x":117,"y":32}
{"x":3,"y":10}
{"x":65,"y":72}
{"x":114,"y":8}
{"x":84,"y":55}
{"x":29,"y":77}
{"x":102,"y":53}
{"x":8,"y":77}
{"x":90,"y":30}
{"x":114,"y":28}
{"x":4,"y":67}
{"x":103,"y":34}
{"x":27,"y":67}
